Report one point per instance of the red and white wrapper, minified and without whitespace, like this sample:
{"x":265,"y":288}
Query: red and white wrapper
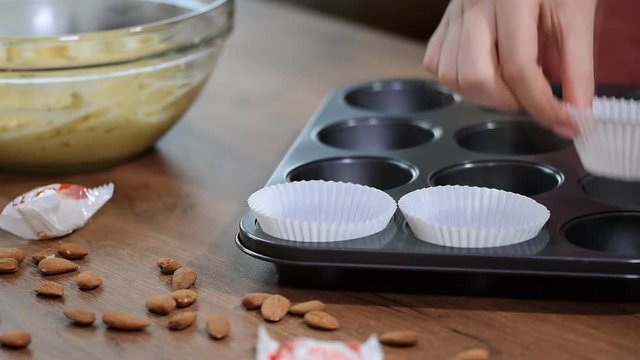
{"x":312,"y":349}
{"x":53,"y":210}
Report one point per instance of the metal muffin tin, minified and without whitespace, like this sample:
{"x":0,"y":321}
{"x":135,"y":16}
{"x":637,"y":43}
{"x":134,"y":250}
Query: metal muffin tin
{"x":400,"y":135}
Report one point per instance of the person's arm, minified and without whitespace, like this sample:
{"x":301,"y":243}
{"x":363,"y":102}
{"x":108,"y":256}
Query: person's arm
{"x":487,"y":50}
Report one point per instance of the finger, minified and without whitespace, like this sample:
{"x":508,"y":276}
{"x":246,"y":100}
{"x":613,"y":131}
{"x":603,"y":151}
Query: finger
{"x":434,"y":47}
{"x":432,"y":54}
{"x":517,"y":30}
{"x":479,"y":77}
{"x":576,"y":55}
{"x":448,"y":62}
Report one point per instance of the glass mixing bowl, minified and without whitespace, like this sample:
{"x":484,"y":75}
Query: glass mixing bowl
{"x":86,"y":84}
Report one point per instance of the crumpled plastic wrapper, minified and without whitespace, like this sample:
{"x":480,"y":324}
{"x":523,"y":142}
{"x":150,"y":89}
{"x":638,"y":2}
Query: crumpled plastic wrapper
{"x":312,"y":349}
{"x":54,"y":210}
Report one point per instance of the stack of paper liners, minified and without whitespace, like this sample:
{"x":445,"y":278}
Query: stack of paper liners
{"x":321,"y":211}
{"x":608,"y":142}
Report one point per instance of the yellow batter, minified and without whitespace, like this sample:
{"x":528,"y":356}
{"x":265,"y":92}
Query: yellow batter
{"x":92,"y":116}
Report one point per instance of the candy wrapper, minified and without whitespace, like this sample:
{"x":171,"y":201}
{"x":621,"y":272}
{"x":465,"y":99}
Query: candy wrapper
{"x":54,"y":210}
{"x":312,"y":349}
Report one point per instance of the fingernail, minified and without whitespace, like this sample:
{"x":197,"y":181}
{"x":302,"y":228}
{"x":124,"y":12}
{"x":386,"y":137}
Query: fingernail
{"x":564,"y":129}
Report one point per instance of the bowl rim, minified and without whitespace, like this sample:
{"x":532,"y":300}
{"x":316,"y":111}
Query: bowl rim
{"x":119,"y":32}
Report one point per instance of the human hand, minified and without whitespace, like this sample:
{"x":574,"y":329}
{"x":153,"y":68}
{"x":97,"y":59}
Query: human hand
{"x":487,"y":51}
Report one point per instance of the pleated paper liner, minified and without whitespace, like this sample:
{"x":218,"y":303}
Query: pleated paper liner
{"x":608,"y":142}
{"x":321,"y":211}
{"x":525,"y":248}
{"x":472,"y":217}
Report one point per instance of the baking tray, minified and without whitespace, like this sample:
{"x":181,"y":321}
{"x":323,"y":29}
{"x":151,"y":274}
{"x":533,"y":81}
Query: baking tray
{"x":400,"y":135}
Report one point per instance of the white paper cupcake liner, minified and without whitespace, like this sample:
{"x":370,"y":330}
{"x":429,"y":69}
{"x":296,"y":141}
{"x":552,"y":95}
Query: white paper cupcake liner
{"x":529,"y":247}
{"x":472,"y":217}
{"x":608,"y":142}
{"x":321,"y":211}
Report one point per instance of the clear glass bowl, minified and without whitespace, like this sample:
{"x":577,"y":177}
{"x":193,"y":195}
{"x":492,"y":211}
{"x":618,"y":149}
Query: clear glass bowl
{"x":86,"y":84}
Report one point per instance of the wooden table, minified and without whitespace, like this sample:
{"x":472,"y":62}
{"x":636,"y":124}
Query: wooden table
{"x":184,"y":200}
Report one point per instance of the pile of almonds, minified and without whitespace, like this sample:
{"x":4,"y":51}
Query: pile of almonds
{"x":48,"y":264}
{"x":10,"y":259}
{"x":272,"y":307}
{"x":182,"y":279}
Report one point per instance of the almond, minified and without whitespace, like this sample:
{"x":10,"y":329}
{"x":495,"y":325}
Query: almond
{"x":402,"y":338}
{"x":160,"y":304}
{"x":43,"y":254}
{"x":12,"y":253}
{"x":183,"y":278}
{"x":80,"y":317}
{"x":8,"y":265}
{"x":218,"y":327}
{"x":275,"y":307}
{"x":184,"y":297}
{"x":89,"y":280}
{"x":53,"y":266}
{"x":321,"y":320}
{"x":169,"y":266}
{"x":304,"y":307}
{"x":474,"y":354}
{"x":73,"y":251}
{"x":49,"y":289}
{"x":254,"y":301}
{"x":15,"y":340}
{"x":181,"y":320}
{"x":121,"y":320}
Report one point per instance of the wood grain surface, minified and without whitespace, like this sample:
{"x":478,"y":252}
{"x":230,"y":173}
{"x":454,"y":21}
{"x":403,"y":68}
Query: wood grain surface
{"x":185,"y":198}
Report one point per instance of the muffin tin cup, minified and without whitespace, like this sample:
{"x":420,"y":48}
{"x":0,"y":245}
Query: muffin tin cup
{"x":472,"y":217}
{"x":321,"y":211}
{"x":609,"y":138}
{"x":521,"y":177}
{"x":399,"y":96}
{"x":514,"y":137}
{"x":378,"y":134}
{"x":616,"y":233}
{"x":615,"y":192}
{"x":402,"y":135}
{"x":380,"y":173}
